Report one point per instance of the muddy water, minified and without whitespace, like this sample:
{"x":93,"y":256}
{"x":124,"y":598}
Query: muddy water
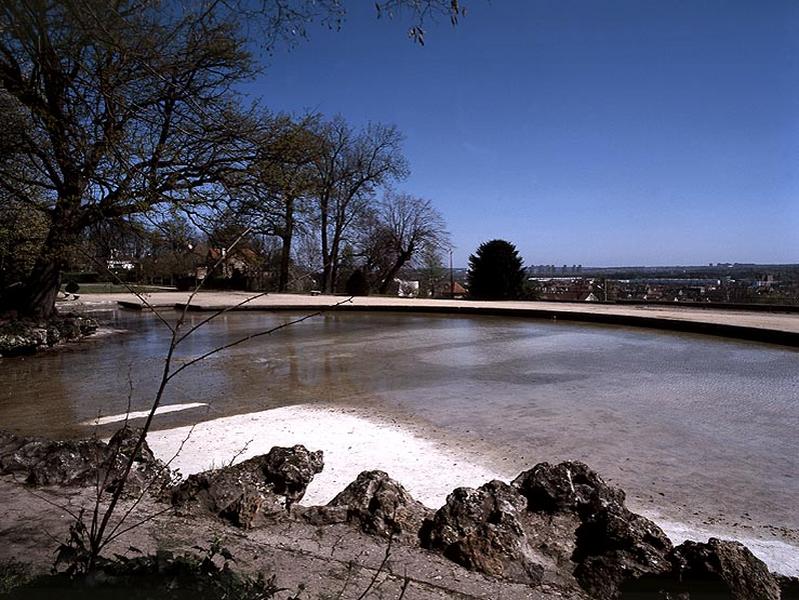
{"x":693,"y":427}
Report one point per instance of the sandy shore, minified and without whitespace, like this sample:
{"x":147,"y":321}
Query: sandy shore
{"x":354,"y":441}
{"x":351,"y":444}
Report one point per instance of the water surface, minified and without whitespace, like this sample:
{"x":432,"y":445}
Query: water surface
{"x":695,"y":427}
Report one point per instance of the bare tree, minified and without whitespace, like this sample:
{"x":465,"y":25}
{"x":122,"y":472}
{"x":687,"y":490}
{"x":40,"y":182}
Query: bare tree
{"x":351,"y":167}
{"x":422,"y":11}
{"x":128,"y":104}
{"x":273,"y":194}
{"x":403,"y":228}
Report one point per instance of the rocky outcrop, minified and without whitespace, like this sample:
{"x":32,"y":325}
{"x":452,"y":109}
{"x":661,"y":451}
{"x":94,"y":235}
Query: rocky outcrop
{"x":378,"y":505}
{"x":559,"y":527}
{"x":553,"y":518}
{"x":728,"y":565}
{"x":481,"y":529}
{"x":614,"y":545}
{"x":290,"y":470}
{"x":25,"y":336}
{"x":709,"y":571}
{"x":565,"y":522}
{"x":789,"y":587}
{"x":611,"y":543}
{"x":254,"y":491}
{"x":568,"y":486}
{"x":80,"y":462}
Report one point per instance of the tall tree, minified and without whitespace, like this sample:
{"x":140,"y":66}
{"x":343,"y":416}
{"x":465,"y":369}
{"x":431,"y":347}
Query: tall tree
{"x":126,"y":107}
{"x":351,"y":167}
{"x":272,"y":194}
{"x":496,"y":272}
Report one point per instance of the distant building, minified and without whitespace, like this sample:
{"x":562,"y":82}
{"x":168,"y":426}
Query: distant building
{"x":456,"y":291}
{"x":566,"y":289}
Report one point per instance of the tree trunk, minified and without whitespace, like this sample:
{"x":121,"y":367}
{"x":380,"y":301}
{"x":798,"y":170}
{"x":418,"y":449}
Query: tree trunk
{"x":41,"y":289}
{"x":285,"y":263}
{"x":38,"y":297}
{"x":403,"y":258}
{"x":334,"y":250}
{"x":327,"y":270}
{"x":285,"y":251}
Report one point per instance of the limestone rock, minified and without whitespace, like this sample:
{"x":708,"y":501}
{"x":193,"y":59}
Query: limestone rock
{"x":610,"y":543}
{"x":381,"y":506}
{"x":79,"y":462}
{"x":729,"y":564}
{"x":568,"y":486}
{"x":290,"y":470}
{"x":254,"y":491}
{"x":615,"y":545}
{"x":481,"y":530}
{"x":789,"y":586}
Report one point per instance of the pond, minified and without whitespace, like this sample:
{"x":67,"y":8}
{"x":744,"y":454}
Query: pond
{"x":691,"y":426}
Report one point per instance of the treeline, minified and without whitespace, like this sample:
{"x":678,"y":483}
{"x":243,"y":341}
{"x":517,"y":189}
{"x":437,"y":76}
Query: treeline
{"x":313,"y":205}
{"x":117,"y":115}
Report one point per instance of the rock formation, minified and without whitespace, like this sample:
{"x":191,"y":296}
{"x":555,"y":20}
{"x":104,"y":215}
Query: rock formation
{"x":254,"y":491}
{"x":555,"y":527}
{"x":482,"y":530}
{"x":730,"y":565}
{"x":79,"y":462}
{"x":378,"y":505}
{"x":26,"y":336}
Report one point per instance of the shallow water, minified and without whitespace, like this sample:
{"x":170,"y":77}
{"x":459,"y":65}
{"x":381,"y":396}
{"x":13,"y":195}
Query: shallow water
{"x":691,"y":426}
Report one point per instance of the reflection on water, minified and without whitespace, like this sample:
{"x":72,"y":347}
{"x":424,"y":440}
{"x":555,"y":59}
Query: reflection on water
{"x":686,"y":416}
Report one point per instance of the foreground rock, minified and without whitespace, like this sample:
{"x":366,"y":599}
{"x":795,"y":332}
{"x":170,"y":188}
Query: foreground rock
{"x":378,"y":505}
{"x":555,"y":526}
{"x":42,"y":462}
{"x":612,"y":544}
{"x":562,"y":523}
{"x":482,"y":530}
{"x":730,"y":565}
{"x":566,"y":487}
{"x":307,"y":561}
{"x":24,"y":336}
{"x":557,"y":531}
{"x":716,"y":569}
{"x":789,"y":586}
{"x":254,"y":491}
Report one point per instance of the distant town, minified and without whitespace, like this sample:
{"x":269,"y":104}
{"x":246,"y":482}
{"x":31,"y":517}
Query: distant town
{"x":722,"y":283}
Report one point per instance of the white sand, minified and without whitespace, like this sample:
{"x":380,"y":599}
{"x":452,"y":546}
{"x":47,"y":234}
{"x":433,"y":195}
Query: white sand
{"x":353,"y":443}
{"x":167,"y":408}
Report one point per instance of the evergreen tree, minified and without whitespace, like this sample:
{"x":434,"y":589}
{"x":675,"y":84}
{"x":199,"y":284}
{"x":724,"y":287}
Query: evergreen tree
{"x":496,"y":272}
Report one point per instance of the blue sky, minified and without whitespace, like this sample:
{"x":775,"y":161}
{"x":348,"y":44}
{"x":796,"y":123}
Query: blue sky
{"x":587,"y":132}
